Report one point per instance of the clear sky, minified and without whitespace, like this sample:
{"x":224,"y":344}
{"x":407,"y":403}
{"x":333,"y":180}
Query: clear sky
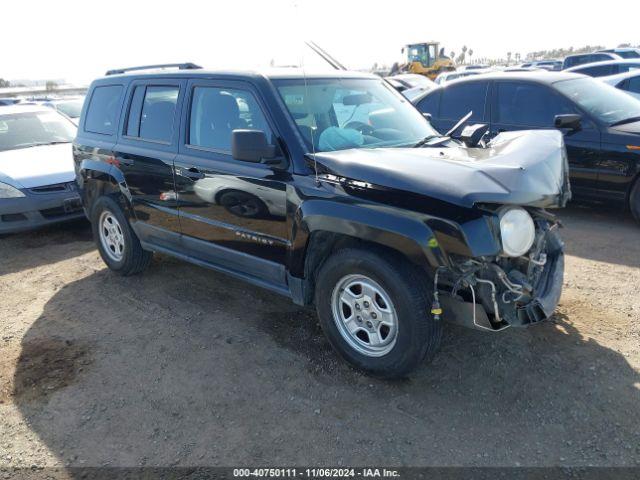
{"x":80,"y":39}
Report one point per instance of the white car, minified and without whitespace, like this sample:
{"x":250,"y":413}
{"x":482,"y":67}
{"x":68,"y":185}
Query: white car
{"x":628,"y":82}
{"x":37,"y":176}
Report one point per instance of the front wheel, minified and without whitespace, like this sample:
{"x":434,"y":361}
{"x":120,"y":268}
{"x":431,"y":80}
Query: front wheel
{"x":117,"y":243}
{"x":375,"y":312}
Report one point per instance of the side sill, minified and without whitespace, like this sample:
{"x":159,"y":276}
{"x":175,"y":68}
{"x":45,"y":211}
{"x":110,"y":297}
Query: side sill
{"x":279,"y":289}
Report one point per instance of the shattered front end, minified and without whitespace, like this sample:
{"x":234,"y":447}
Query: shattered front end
{"x":495,"y":292}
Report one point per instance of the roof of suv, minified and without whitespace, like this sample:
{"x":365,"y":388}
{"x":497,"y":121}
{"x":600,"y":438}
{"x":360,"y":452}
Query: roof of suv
{"x":271,"y":73}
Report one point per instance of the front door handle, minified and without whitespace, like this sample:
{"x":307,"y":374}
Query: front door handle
{"x":192,"y":173}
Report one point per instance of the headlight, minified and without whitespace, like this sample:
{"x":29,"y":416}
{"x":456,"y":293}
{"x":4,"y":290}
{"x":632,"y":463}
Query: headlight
{"x":7,"y":191}
{"x":517,"y":231}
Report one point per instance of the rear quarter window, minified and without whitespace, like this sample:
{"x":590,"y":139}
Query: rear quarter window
{"x":103,"y":110}
{"x":429,"y":104}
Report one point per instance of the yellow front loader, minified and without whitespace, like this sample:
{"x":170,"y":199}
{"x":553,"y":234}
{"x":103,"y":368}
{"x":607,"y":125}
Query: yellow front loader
{"x":426,"y":59}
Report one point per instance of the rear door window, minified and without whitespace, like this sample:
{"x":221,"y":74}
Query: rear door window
{"x":152,"y":112}
{"x":528,"y":104}
{"x":458,"y":100}
{"x":103,"y":110}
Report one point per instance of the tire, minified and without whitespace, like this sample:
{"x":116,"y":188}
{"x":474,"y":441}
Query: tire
{"x":404,"y":292}
{"x":634,"y":200}
{"x":108,"y":219}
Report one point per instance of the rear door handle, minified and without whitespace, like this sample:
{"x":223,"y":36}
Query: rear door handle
{"x":192,"y":173}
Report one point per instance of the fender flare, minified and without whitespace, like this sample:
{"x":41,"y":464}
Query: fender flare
{"x":409,"y":236}
{"x":107,"y":177}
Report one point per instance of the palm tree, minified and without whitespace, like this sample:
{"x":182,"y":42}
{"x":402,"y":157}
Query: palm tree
{"x":470,"y":55}
{"x":508,"y":58}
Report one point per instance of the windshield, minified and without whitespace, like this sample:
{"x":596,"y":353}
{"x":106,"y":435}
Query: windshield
{"x":603,"y":101}
{"x":340,"y":114}
{"x":70,"y":108}
{"x":22,"y":130}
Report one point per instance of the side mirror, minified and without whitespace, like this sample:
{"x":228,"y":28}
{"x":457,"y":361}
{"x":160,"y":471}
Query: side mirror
{"x":472,"y":134}
{"x":252,"y":146}
{"x":570,"y":121}
{"x":427,"y":116}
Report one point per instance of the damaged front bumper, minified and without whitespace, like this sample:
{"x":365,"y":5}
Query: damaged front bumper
{"x":495,"y":293}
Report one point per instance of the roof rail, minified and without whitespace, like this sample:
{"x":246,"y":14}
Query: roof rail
{"x":179,"y":66}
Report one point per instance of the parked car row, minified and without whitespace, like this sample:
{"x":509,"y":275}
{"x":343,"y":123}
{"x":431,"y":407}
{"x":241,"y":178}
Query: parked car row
{"x":601,"y":125}
{"x":37,"y":178}
{"x":68,"y":106}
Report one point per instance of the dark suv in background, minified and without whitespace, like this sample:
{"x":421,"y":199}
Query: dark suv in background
{"x":601,"y":124}
{"x":330,"y":189}
{"x":582,"y":58}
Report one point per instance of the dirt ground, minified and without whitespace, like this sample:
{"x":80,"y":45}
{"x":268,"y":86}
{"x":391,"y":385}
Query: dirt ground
{"x":183,"y":366}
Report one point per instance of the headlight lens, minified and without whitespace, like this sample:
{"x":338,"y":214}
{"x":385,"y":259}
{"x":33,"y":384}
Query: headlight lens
{"x":517,"y":231}
{"x":7,"y":191}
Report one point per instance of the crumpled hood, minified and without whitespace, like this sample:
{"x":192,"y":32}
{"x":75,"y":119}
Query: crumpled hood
{"x":527,"y":167}
{"x":38,"y":166}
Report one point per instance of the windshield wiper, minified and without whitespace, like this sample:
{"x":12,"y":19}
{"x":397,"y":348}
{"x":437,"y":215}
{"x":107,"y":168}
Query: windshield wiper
{"x":626,"y":120}
{"x":425,"y":140}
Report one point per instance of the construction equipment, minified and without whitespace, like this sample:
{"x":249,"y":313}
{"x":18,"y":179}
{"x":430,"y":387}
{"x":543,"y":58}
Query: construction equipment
{"x":427,"y":59}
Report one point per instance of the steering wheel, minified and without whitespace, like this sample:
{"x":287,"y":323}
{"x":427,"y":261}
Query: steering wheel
{"x":362,"y":127}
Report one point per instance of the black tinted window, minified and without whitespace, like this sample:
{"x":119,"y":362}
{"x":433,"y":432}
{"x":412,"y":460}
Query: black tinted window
{"x":458,"y":100}
{"x":624,"y":68}
{"x":597,"y":70}
{"x":133,"y":119}
{"x":102,"y":114}
{"x":216,"y":112}
{"x":158,"y":111}
{"x":529,"y":104}
{"x":577,"y":60}
{"x":429,"y":104}
{"x":633,"y":85}
{"x":629,"y":54}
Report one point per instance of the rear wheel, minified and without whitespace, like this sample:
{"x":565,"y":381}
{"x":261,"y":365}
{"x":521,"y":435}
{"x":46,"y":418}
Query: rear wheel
{"x":117,"y":243}
{"x":634,"y":200}
{"x":375,"y":312}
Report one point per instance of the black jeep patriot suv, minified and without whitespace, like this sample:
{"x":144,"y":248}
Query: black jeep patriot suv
{"x":332,"y":190}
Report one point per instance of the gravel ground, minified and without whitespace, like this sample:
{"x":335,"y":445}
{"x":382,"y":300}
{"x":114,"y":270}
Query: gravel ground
{"x":185,"y":366}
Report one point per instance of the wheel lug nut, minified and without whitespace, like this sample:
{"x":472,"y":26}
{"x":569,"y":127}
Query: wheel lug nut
{"x":357,"y":306}
{"x":359,"y":319}
{"x":369,"y":324}
{"x":374,"y":315}
{"x":366,"y":304}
